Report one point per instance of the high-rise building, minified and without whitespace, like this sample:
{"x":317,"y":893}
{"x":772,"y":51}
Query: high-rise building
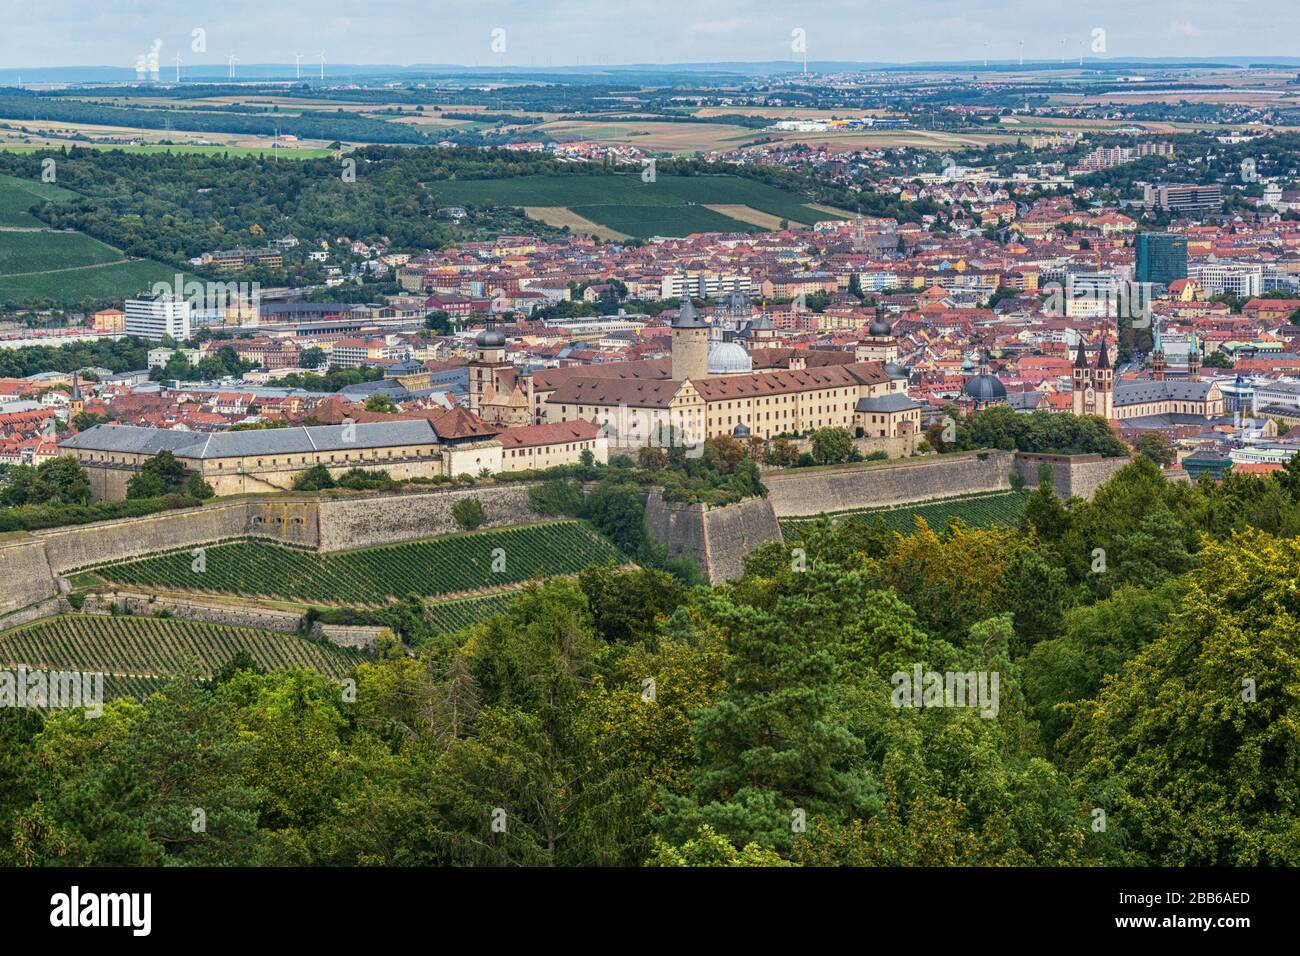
{"x":1160,"y":258}
{"x":1182,"y":197}
{"x":156,"y":315}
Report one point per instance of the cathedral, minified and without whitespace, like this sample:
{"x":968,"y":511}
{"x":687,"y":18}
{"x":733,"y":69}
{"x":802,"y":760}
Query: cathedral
{"x":1094,"y":385}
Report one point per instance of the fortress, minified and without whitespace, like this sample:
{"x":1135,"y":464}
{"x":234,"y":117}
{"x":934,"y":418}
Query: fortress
{"x":32,"y":564}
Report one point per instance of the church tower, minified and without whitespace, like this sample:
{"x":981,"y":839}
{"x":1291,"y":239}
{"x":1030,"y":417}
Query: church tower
{"x":879,"y":344}
{"x":1194,"y":359}
{"x":690,"y":343}
{"x":1094,"y":386}
{"x":489,"y":360}
{"x":1104,"y":382}
{"x":1157,"y":352}
{"x":77,"y":403}
{"x":1081,"y":376}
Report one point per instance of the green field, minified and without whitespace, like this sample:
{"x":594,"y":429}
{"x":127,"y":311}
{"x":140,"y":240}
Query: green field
{"x":145,"y":647}
{"x":19,"y":195}
{"x":462,"y":613}
{"x":975,"y":511}
{"x":38,"y":252}
{"x":445,"y":565}
{"x":115,"y":282}
{"x":672,"y":205}
{"x":61,"y":269}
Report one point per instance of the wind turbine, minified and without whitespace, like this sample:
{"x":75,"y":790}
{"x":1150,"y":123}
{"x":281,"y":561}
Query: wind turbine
{"x":178,"y":67}
{"x":231,"y":60}
{"x":1022,"y":52}
{"x":986,"y":54}
{"x":297,"y":65}
{"x":322,"y":64}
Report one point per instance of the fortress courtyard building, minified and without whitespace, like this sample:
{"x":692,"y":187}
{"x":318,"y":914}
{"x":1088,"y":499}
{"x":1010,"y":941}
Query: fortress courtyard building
{"x":265,"y":460}
{"x":708,"y":389}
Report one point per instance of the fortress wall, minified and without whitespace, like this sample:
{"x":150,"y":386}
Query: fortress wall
{"x":734,"y":531}
{"x":101,"y":541}
{"x":266,"y":619}
{"x":1072,"y":475}
{"x":678,"y":526}
{"x":25,"y":575}
{"x":716,"y":538}
{"x":361,"y":522}
{"x":804,"y":492}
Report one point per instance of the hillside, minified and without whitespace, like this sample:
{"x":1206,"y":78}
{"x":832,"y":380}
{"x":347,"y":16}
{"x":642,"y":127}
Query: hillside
{"x":372,"y":576}
{"x":134,"y":652}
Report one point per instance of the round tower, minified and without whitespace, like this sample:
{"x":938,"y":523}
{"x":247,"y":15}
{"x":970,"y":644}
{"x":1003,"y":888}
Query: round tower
{"x":690,"y":343}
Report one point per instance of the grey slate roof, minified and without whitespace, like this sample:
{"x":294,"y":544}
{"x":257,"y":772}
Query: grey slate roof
{"x":886,"y":404}
{"x":1025,"y":401}
{"x":1140,"y":391}
{"x":131,"y":439}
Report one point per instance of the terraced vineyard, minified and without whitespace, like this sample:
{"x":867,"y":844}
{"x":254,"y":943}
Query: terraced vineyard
{"x":373,"y":575}
{"x":976,"y":511}
{"x":136,"y":649}
{"x":462,"y":613}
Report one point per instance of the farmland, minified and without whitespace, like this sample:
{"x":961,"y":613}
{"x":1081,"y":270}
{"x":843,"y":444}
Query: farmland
{"x":39,"y":266}
{"x":137,"y":646}
{"x":24,"y":253}
{"x":19,"y":195}
{"x":464,"y":612}
{"x":370,"y":576}
{"x":975,"y":511}
{"x":671,"y":205}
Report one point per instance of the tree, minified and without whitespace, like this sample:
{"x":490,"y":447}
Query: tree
{"x":469,"y":513}
{"x":381,"y":403}
{"x":145,"y":484}
{"x":1155,"y":446}
{"x":770,"y":750}
{"x":832,"y":446}
{"x":708,"y":848}
{"x":1217,"y":359}
{"x":1190,"y":750}
{"x":315,"y":478}
{"x":554,"y":498}
{"x":196,"y":487}
{"x":60,"y":480}
{"x":160,"y":475}
{"x":782,"y":453}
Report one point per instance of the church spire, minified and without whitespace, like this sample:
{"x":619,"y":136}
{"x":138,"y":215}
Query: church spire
{"x":1081,"y":358}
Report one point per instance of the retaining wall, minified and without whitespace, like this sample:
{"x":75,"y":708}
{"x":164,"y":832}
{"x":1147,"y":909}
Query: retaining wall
{"x":812,"y":491}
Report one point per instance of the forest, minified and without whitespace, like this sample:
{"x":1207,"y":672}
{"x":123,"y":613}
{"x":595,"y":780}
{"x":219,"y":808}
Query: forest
{"x":1147,"y":697}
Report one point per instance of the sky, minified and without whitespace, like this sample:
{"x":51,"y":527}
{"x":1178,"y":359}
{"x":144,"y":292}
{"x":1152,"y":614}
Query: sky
{"x":47,"y":33}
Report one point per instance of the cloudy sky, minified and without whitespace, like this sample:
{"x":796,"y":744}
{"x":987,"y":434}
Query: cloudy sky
{"x":42,"y":33}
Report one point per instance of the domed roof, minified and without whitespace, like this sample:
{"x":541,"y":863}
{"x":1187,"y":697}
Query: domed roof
{"x":985,"y":386}
{"x":880,"y":329}
{"x":728,"y":358}
{"x":740,"y":431}
{"x":490,"y":338}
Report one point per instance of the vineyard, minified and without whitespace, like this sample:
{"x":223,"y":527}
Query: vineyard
{"x":373,"y":575}
{"x":975,"y":511}
{"x":136,"y":650}
{"x":462,"y":613}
